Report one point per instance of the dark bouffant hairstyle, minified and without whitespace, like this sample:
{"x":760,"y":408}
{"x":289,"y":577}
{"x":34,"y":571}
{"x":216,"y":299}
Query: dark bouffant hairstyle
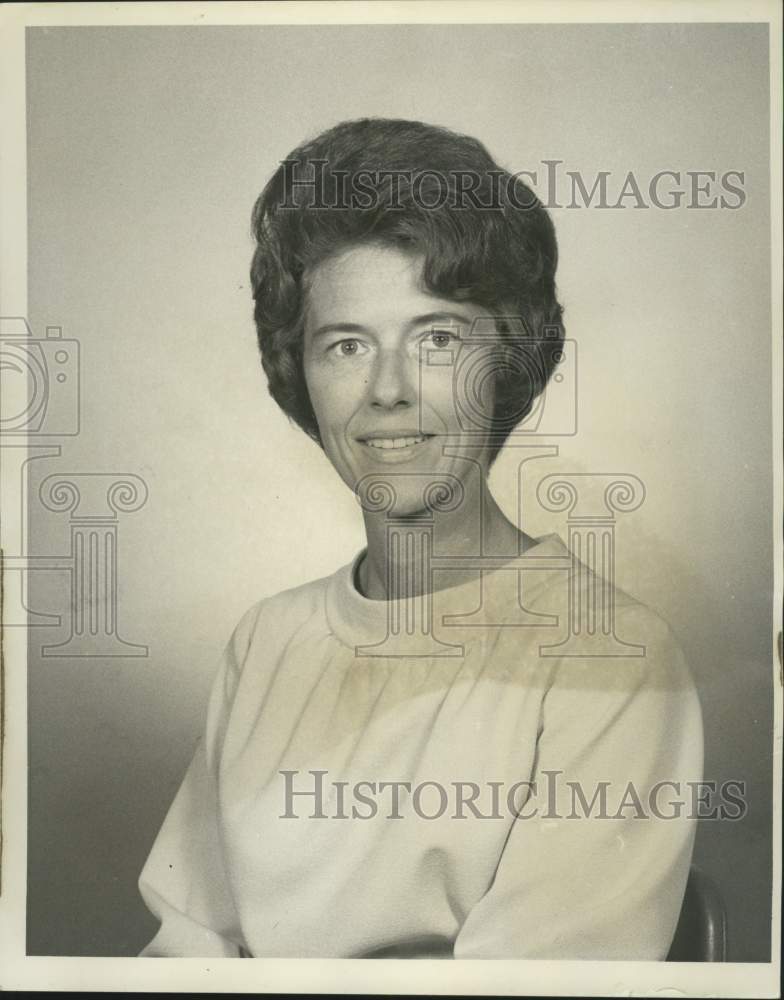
{"x":484,"y":236}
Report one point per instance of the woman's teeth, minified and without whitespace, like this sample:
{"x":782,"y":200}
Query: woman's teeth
{"x":403,"y":442}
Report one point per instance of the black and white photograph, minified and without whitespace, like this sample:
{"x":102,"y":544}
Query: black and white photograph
{"x":391,"y":498}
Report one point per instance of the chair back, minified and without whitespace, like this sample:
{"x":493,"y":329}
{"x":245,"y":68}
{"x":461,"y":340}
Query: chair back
{"x":701,"y":934}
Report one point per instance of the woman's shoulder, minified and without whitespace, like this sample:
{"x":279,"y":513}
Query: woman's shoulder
{"x":274,"y":619}
{"x":634,"y":651}
{"x":612,"y":636}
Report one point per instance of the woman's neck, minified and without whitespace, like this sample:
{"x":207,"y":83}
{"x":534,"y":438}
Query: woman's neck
{"x":396,"y":564}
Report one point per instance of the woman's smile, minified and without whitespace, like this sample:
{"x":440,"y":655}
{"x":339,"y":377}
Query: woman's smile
{"x":397,"y":445}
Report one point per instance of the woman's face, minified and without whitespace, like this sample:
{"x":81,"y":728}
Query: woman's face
{"x":380,"y":358}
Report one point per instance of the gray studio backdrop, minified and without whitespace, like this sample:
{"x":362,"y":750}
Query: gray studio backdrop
{"x":147,"y":148}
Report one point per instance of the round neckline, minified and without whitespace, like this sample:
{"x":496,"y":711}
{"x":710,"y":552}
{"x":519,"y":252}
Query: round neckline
{"x":357,"y":620}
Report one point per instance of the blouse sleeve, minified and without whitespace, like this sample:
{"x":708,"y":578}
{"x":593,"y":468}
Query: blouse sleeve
{"x":607,"y":882}
{"x":183,"y":882}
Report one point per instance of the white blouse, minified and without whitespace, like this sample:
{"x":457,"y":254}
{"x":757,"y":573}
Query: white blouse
{"x":473,"y":795}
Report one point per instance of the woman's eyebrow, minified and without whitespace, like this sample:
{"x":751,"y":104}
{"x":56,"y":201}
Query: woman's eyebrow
{"x":338,"y":328}
{"x":439,"y":317}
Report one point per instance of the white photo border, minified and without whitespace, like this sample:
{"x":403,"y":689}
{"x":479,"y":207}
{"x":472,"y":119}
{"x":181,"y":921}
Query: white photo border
{"x":488,"y":977}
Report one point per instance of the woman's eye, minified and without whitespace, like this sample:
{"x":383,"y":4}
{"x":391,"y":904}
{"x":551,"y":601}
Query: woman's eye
{"x":346,"y":348}
{"x":442,"y":338}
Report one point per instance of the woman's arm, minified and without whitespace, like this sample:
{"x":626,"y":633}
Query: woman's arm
{"x":183,"y":882}
{"x":574,"y":882}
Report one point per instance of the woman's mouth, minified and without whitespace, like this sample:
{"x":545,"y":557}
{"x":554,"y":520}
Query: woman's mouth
{"x":390,"y":443}
{"x":397,"y":446}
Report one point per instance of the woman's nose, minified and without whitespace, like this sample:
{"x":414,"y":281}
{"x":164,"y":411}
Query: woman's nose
{"x":393,"y":382}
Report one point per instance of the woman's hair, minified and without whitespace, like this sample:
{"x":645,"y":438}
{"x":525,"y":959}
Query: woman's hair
{"x":484,"y":236}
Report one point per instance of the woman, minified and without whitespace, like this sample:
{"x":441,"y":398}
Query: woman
{"x":394,"y":762}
